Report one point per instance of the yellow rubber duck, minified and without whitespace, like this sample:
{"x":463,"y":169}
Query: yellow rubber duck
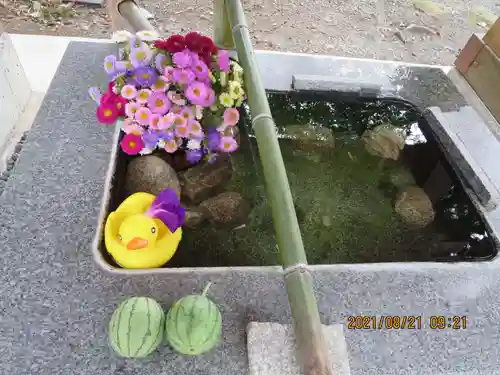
{"x":145,"y":231}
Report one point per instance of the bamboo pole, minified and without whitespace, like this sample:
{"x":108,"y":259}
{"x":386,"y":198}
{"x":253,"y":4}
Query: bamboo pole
{"x":298,"y":279}
{"x":127,"y":10}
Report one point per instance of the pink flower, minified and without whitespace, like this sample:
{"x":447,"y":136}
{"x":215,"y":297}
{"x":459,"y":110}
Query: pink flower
{"x":132,"y":144}
{"x":176,"y":98}
{"x":171,"y":146}
{"x":180,"y":121}
{"x":228,"y":144}
{"x":182,"y":59}
{"x":181,"y":131}
{"x":159,"y":103}
{"x":166,"y":121}
{"x":129,"y":92}
{"x":130,"y":126}
{"x":196,"y":93}
{"x":161,"y":85}
{"x":107,"y":113}
{"x":223,"y":60}
{"x":184,"y":76}
{"x":143,"y":115}
{"x":231,"y":116}
{"x":209,"y":98}
{"x":187,"y":113}
{"x":169,"y":74}
{"x":195,"y":129}
{"x":143,"y":96}
{"x":131,"y":109}
{"x":200,"y":69}
{"x":154,"y":120}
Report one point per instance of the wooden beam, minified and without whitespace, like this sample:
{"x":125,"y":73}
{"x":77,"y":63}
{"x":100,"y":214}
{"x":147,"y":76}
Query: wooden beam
{"x":492,"y":37}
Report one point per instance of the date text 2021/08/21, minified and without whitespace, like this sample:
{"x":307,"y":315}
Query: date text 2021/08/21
{"x":435,"y":322}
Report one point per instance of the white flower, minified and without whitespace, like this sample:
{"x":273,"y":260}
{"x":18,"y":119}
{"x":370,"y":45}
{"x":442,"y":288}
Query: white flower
{"x":121,"y":36}
{"x":161,"y":143}
{"x":236,"y":67}
{"x":148,"y":35}
{"x":194,"y":144}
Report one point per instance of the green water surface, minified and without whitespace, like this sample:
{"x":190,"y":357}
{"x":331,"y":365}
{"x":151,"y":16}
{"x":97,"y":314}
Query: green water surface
{"x":343,"y":203}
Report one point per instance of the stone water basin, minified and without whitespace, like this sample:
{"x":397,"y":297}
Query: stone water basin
{"x":369,"y":181}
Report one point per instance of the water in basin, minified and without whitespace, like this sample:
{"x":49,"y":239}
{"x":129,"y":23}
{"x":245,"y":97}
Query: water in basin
{"x":353,"y":205}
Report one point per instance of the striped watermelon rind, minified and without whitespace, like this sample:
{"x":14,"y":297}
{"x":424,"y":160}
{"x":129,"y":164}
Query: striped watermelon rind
{"x":136,"y":327}
{"x":193,"y":325}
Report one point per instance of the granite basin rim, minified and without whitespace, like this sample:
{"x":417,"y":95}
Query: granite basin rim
{"x":322,"y":66}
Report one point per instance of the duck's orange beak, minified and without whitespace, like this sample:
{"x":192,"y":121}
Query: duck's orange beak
{"x":137,"y":243}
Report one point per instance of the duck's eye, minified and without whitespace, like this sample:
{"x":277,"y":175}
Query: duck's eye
{"x":153,"y":230}
{"x":120,"y":237}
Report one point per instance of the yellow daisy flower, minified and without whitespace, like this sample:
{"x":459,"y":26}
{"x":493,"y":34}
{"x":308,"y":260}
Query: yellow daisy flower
{"x":226,"y":100}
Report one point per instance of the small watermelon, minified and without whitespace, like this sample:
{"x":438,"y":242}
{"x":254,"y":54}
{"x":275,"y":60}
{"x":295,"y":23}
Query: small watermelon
{"x":136,"y":327}
{"x":194,"y":324}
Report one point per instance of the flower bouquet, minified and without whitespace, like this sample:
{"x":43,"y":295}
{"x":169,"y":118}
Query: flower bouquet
{"x":178,"y":94}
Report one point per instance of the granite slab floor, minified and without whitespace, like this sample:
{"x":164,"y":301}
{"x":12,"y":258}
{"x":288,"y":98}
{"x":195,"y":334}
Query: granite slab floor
{"x":55,"y":303}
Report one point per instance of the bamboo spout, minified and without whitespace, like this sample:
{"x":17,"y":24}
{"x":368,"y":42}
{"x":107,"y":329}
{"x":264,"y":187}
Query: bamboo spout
{"x":298,"y":280}
{"x":126,"y":15}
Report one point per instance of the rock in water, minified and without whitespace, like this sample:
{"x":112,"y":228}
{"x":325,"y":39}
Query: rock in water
{"x":136,"y":327}
{"x":150,"y":174}
{"x":311,"y":138}
{"x":226,"y":208}
{"x":414,"y":206}
{"x":384,"y":141}
{"x":204,"y":180}
{"x":400,"y":177}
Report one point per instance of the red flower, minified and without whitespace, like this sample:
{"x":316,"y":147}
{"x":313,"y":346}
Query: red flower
{"x":107,"y":114}
{"x":108,"y":97}
{"x":206,"y":45}
{"x":120,"y":103}
{"x":175,"y":43}
{"x":207,"y":58}
{"x":193,"y":41}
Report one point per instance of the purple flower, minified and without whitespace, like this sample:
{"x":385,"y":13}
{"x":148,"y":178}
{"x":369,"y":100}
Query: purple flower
{"x":223,"y":60}
{"x":95,"y":94}
{"x":167,"y":207}
{"x":141,"y":56}
{"x":194,"y":156}
{"x":121,"y":66}
{"x":109,"y":64}
{"x":161,"y":62}
{"x":182,"y":59}
{"x":166,"y":135}
{"x":150,"y":138}
{"x":213,"y":139}
{"x":146,"y":76}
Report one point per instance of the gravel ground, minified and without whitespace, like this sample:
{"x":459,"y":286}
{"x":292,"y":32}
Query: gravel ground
{"x":383,"y":29}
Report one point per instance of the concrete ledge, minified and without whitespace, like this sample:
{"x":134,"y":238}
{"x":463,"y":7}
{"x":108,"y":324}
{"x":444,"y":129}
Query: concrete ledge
{"x":272,"y":350}
{"x":28,"y":64}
